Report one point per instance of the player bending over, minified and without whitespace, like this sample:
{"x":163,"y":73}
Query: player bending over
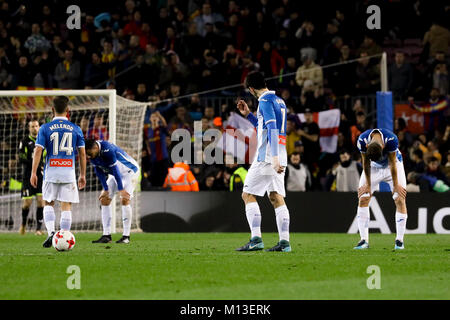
{"x":26,"y":149}
{"x":58,"y":138}
{"x":266,"y":174}
{"x":117,"y":172}
{"x":382,"y":161}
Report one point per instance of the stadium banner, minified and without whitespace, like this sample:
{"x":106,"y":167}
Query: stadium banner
{"x":328,"y":122}
{"x":238,"y":133}
{"x":414,"y":119}
{"x":224,"y":212}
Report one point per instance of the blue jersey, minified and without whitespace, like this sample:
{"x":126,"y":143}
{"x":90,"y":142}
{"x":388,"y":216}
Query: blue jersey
{"x":390,"y":145}
{"x":271,"y":109}
{"x":112,"y":160}
{"x":60,"y":138}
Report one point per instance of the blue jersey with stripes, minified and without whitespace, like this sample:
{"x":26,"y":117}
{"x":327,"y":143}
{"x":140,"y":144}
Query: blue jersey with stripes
{"x":271,"y":108}
{"x":390,"y":145}
{"x":60,"y":138}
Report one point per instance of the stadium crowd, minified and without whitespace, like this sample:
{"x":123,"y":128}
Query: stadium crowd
{"x":162,"y":51}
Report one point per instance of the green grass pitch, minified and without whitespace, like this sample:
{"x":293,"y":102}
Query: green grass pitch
{"x":205,"y":266}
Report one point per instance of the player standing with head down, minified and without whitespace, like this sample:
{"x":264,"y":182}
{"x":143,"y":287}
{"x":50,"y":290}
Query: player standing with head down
{"x":59,"y":137}
{"x":266,"y":173}
{"x":117,"y":172}
{"x":382,"y":161}
{"x":26,"y":150}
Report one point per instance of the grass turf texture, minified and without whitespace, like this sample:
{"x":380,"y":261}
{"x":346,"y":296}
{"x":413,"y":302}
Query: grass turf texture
{"x":205,"y":266}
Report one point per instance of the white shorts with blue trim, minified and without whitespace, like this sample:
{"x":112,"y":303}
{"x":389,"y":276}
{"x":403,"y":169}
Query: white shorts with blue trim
{"x":262,"y":178}
{"x":64,"y":192}
{"x":129,"y":182}
{"x":378,"y":175}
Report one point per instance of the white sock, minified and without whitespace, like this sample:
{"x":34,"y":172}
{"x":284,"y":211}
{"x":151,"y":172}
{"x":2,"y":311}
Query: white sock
{"x":49,"y":219}
{"x":282,"y":216}
{"x":400,"y":223}
{"x":254,"y":218}
{"x":126,"y":219}
{"x":363,"y":222}
{"x":66,"y":220}
{"x":106,"y":219}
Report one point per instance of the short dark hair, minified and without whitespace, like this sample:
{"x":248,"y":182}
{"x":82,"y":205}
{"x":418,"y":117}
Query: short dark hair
{"x":374,"y":151}
{"x":89,"y":143}
{"x":60,"y":104}
{"x":255,"y":80}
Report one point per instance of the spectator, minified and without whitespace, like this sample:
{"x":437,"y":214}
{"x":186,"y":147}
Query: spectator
{"x":347,"y":173}
{"x":181,"y":120}
{"x":433,"y":151}
{"x":36,"y":42}
{"x":434,"y":169}
{"x":95,"y":72}
{"x":418,"y":165}
{"x":441,"y":79}
{"x":369,"y":46}
{"x":309,"y":71}
{"x":367,"y":76}
{"x":426,"y":183}
{"x":437,"y":38}
{"x":180,"y":178}
{"x":141,"y":93}
{"x":297,"y":177}
{"x":206,"y":16}
{"x":309,"y":134}
{"x":98,"y":131}
{"x":359,"y":127}
{"x":291,"y":135}
{"x":68,"y":72}
{"x":269,"y":60}
{"x":400,"y":76}
{"x":24,"y":74}
{"x":433,"y":110}
{"x":156,"y":148}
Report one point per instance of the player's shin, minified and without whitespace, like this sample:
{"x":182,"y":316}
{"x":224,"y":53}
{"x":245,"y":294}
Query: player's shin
{"x":66,"y":220}
{"x":283,"y":219}
{"x":126,"y":219}
{"x":254,"y":218}
{"x":49,"y":219}
{"x":39,"y":217}
{"x":106,"y":220}
{"x":363,"y":217}
{"x":25,"y":212}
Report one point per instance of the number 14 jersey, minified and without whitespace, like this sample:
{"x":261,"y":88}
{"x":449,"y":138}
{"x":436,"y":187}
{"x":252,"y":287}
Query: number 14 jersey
{"x":60,"y":138}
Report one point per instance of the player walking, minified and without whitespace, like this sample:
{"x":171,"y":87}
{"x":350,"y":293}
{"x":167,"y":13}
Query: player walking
{"x":266,"y":173}
{"x":26,"y":149}
{"x":382,"y":161}
{"x":58,"y":138}
{"x":117,"y":172}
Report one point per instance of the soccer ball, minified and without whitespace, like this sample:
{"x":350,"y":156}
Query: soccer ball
{"x":63,"y":240}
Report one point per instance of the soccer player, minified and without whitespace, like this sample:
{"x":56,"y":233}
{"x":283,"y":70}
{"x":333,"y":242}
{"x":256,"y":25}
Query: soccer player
{"x":266,"y":173}
{"x":117,"y":172}
{"x":382,"y":161}
{"x":26,"y":149}
{"x":58,"y":138}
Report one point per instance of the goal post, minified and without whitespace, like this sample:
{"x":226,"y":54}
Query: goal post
{"x":101,"y":114}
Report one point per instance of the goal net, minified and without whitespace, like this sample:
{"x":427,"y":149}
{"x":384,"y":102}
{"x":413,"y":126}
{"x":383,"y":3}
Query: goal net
{"x":101,"y":114}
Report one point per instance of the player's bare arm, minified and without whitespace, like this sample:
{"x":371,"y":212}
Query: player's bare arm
{"x":243,"y":108}
{"x":36,"y":160}
{"x":366,"y":168}
{"x":393,"y":166}
{"x":82,"y":178}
